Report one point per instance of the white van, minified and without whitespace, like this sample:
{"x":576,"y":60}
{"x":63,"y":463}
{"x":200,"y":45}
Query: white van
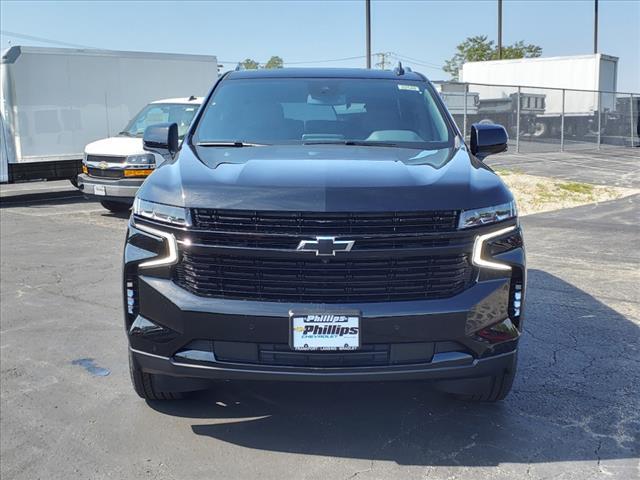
{"x":114,"y":168}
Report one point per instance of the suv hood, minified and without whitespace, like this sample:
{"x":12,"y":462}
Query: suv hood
{"x":330,"y":178}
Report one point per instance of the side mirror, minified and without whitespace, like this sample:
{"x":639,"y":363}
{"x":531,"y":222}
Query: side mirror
{"x":488,"y":138}
{"x":161,"y":138}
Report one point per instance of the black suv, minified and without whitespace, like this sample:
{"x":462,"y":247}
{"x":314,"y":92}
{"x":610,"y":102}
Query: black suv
{"x":324,"y":225}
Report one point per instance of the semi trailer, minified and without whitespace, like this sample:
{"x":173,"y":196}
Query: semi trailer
{"x":580,"y":88}
{"x":468,"y":107}
{"x":54,"y":101}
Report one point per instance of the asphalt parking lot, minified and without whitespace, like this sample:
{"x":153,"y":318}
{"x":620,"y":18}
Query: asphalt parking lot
{"x":609,"y":166}
{"x":574,"y":412}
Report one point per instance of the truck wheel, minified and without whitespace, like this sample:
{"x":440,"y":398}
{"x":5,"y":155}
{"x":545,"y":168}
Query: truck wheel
{"x":541,"y":129}
{"x":484,"y":389}
{"x":497,"y":389}
{"x":143,"y":384}
{"x":115,"y":207}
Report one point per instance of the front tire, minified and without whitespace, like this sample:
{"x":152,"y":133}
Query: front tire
{"x":115,"y":207}
{"x":143,"y":384}
{"x":497,"y":389}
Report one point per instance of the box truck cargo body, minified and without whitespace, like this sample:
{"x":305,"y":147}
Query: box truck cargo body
{"x":56,"y":100}
{"x":582,"y":76}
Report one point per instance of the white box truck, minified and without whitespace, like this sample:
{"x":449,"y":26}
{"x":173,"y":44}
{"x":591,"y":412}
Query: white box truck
{"x":580,"y":75}
{"x":54,"y":101}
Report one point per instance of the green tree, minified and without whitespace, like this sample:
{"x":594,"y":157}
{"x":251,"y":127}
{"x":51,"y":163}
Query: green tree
{"x":480,"y":48}
{"x":520,"y":50}
{"x":274,"y":62}
{"x":249,"y":64}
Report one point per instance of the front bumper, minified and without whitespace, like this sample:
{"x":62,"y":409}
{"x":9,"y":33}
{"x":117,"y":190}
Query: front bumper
{"x":193,"y":327}
{"x":124,"y":188}
{"x":176,"y":333}
{"x":444,"y":366}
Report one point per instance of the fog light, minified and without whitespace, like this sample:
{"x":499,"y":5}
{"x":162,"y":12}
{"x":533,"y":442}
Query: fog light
{"x":500,"y":332}
{"x":142,"y":326}
{"x":149,"y":330}
{"x":137,"y":173}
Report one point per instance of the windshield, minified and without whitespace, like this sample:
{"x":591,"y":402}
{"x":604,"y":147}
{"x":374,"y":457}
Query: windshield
{"x":324,"y":110}
{"x":179,"y":113}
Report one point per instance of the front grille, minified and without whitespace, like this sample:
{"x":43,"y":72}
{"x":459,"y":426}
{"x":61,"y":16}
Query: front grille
{"x":368,"y":355}
{"x":106,"y":158}
{"x":98,"y":172}
{"x":334,"y":224}
{"x":318,"y":280}
{"x":290,"y":242}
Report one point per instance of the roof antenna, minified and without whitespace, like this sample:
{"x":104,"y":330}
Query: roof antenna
{"x":399,"y":70}
{"x":192,"y":97}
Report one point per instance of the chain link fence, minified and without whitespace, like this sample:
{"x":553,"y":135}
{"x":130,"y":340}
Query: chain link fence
{"x":547,"y":119}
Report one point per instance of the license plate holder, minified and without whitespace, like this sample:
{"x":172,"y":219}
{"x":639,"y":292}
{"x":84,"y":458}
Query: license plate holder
{"x":99,"y":190}
{"x":324,"y":331}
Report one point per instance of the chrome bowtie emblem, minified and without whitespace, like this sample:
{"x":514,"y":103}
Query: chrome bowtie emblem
{"x":326,"y":246}
{"x":103,"y":165}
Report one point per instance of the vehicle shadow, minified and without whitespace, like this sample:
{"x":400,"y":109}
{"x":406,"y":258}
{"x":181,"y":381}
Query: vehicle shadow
{"x":55,"y":199}
{"x":576,"y":397}
{"x":46,"y":198}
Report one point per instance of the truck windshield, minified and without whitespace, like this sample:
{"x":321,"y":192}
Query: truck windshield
{"x":182,"y":114}
{"x":324,"y":110}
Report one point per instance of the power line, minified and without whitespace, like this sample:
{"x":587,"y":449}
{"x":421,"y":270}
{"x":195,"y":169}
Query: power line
{"x":384,"y":56}
{"x":42,"y":39}
{"x":327,"y":61}
{"x":417,"y":61}
{"x":303,"y":62}
{"x":413,"y":59}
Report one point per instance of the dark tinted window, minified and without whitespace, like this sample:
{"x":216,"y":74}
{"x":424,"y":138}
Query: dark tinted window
{"x":294,"y":110}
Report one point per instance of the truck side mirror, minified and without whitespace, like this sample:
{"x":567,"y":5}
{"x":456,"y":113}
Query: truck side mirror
{"x":487,"y":139}
{"x":161,"y":138}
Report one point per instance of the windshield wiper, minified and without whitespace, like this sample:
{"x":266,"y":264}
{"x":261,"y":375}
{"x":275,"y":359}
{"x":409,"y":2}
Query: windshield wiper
{"x":124,"y":133}
{"x":358,"y":143}
{"x":236,"y":144}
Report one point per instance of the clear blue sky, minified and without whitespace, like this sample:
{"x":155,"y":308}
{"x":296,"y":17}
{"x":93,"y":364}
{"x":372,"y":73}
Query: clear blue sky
{"x":305,"y":31}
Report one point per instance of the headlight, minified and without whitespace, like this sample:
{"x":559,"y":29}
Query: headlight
{"x":144,"y":159}
{"x":487,"y":215}
{"x":162,"y":213}
{"x":478,"y":246}
{"x":171,"y":256}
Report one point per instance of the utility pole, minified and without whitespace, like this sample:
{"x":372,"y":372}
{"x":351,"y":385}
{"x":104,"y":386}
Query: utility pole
{"x":500,"y":29}
{"x":368,"y":23}
{"x":595,"y":26}
{"x":383,"y":59}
